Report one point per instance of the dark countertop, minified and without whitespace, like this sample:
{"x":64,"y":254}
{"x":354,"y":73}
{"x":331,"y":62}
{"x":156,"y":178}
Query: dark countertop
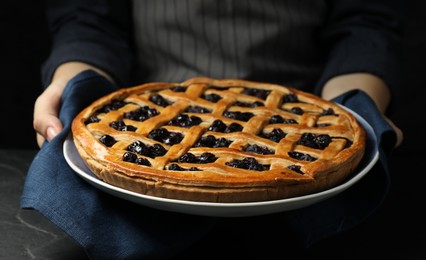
{"x":26,"y":234}
{"x":397,"y":228}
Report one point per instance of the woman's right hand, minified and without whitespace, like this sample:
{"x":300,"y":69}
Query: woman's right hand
{"x":46,"y":121}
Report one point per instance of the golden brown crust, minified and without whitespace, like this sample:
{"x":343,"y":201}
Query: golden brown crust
{"x":216,"y":181}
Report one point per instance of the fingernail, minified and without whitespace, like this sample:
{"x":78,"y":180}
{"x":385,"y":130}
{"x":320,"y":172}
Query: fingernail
{"x":51,"y":133}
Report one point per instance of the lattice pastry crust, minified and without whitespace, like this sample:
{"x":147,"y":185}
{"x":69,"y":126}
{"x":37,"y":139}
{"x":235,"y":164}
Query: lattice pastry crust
{"x":217,"y":140}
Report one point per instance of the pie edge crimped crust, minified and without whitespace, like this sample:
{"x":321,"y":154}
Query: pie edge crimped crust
{"x":181,"y":185}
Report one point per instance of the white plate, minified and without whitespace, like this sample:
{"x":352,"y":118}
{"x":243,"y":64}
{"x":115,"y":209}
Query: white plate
{"x":225,"y":209}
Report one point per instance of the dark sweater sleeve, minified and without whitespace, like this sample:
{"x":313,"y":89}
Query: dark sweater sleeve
{"x":363,"y":36}
{"x":95,"y":32}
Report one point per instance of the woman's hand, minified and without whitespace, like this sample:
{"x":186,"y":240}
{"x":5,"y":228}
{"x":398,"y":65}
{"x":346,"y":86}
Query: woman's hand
{"x":46,"y":108}
{"x":374,"y":86}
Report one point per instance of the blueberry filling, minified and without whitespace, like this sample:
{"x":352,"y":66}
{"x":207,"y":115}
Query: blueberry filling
{"x":314,"y":141}
{"x":114,"y":105}
{"x":244,"y":104}
{"x":217,"y":126}
{"x":207,"y":158}
{"x":221,"y":88}
{"x":328,"y":112}
{"x":141,"y":114}
{"x":121,"y":126}
{"x":107,"y":140}
{"x":290,"y":98}
{"x":297,"y":111}
{"x":92,"y":119}
{"x":142,"y":161}
{"x":179,"y":89}
{"x":295,"y":168}
{"x":259,"y":93}
{"x":301,"y":156}
{"x":202,"y":159}
{"x":322,"y":125}
{"x":184,"y":120}
{"x":221,"y":127}
{"x":275,"y":135}
{"x":165,"y":136}
{"x":242,"y":116}
{"x":258,"y":149}
{"x":150,"y":151}
{"x":133,"y":158}
{"x":248,"y":164}
{"x":233,"y":127}
{"x":214,"y":98}
{"x":188,"y":158}
{"x":156,"y":150}
{"x":138,"y":147}
{"x":277,"y":119}
{"x":159,"y":100}
{"x":348,"y":143}
{"x":197,"y":109}
{"x":211,"y":141}
{"x":129,"y":157}
{"x":175,"y":167}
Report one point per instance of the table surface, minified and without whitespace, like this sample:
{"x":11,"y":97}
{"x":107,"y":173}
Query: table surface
{"x":398,"y":228}
{"x":26,"y":234}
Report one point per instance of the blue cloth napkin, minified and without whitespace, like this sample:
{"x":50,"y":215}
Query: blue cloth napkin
{"x":111,"y":228}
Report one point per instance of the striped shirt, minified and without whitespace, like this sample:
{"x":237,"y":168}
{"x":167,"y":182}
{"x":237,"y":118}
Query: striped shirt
{"x":269,"y":40}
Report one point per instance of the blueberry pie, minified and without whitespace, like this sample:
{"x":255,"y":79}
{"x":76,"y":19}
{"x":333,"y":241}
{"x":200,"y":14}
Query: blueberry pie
{"x":218,"y":140}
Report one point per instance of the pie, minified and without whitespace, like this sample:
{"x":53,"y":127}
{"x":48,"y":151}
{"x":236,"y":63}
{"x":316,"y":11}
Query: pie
{"x":218,"y":140}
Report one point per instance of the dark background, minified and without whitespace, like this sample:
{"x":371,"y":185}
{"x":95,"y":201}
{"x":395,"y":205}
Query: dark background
{"x":399,"y":226}
{"x":24,"y":45}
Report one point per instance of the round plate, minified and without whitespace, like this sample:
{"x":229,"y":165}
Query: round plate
{"x":226,"y":209}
